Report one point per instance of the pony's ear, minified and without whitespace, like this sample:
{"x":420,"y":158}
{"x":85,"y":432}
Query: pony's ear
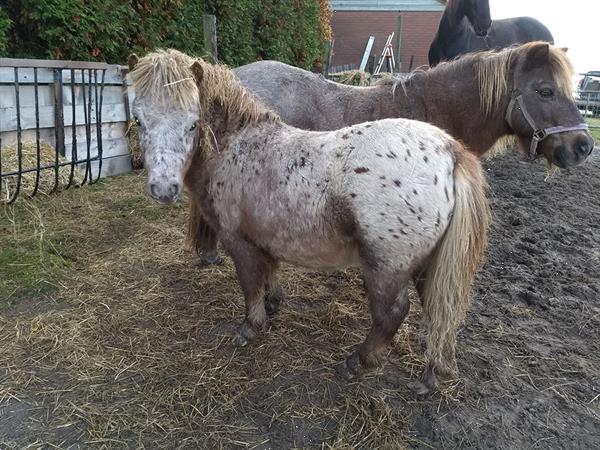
{"x":132,"y":61}
{"x":197,"y":71}
{"x":537,"y":55}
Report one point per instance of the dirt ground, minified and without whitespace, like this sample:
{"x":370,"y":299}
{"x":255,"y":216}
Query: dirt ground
{"x":130,"y":344}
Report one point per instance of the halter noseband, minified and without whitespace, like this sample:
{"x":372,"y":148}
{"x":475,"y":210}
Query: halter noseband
{"x":539,"y":134}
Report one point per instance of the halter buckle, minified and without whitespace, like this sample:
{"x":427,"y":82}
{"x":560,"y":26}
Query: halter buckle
{"x":540,"y":134}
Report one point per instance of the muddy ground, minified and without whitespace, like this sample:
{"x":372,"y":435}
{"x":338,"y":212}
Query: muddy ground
{"x":131,"y":346}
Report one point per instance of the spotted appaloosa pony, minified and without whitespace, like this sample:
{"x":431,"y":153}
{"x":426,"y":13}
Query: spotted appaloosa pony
{"x":396,"y":197}
{"x":466,"y":26}
{"x":478,"y":99}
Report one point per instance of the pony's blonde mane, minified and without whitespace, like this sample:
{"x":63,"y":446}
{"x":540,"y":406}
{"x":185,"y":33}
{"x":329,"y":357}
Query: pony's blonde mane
{"x":493,"y":70}
{"x":166,"y":76}
{"x":220,"y":85}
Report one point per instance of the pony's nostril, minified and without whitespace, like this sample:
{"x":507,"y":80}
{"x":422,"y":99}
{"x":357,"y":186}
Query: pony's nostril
{"x":174,"y":190}
{"x":153,"y":190}
{"x":585,"y":148}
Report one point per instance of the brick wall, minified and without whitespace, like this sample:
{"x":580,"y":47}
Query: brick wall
{"x":351,"y":30}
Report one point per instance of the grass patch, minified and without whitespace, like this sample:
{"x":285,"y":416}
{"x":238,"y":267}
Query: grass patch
{"x":595,"y":132}
{"x":31,"y":259}
{"x":42,"y":239}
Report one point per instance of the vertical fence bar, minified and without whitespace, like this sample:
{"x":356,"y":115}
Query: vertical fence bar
{"x":19,"y":142}
{"x":59,"y":124}
{"x":73,"y":130}
{"x":99,"y":119}
{"x":87,"y":118}
{"x":37,"y":132}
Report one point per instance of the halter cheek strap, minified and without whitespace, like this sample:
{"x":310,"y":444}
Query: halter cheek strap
{"x":539,"y":134}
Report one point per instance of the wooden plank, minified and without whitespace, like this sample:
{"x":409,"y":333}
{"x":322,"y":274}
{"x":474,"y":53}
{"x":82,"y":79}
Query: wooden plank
{"x":365,"y":58}
{"x":8,"y":116}
{"x":399,"y":43}
{"x":54,"y":63}
{"x":113,"y":75}
{"x":110,"y":130}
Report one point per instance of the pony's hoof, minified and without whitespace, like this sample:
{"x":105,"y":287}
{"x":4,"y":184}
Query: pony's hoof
{"x":209,"y":260}
{"x":244,"y":336}
{"x":420,"y":388}
{"x":239,"y":340}
{"x":350,"y":369}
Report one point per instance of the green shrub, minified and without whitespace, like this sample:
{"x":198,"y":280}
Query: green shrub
{"x":5,"y":24}
{"x":108,"y":30}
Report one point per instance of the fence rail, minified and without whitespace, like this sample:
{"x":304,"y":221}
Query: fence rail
{"x":60,"y":120}
{"x":589,"y":102}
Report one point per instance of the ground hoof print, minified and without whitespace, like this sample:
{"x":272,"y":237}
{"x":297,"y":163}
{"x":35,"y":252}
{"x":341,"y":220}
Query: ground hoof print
{"x":209,"y":260}
{"x":244,"y":336}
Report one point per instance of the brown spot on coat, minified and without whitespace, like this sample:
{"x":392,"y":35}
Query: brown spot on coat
{"x":361,"y":170}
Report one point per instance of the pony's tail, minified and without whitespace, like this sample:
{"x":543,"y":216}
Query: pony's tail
{"x":445,"y":286}
{"x":200,"y":237}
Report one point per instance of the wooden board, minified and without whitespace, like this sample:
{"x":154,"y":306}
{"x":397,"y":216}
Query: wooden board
{"x":8,"y":118}
{"x":113,"y":75}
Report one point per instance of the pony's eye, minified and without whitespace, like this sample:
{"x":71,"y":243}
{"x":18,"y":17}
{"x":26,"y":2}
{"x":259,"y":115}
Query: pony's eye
{"x":137,"y":121}
{"x":194,"y":125}
{"x":545,"y":92}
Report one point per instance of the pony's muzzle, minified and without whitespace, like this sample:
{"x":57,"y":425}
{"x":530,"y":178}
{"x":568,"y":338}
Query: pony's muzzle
{"x":164,"y":192}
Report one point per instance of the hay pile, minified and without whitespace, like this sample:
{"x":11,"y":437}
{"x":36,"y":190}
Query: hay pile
{"x":10,"y":163}
{"x":134,"y":350}
{"x":354,"y":78}
{"x":133,"y":144}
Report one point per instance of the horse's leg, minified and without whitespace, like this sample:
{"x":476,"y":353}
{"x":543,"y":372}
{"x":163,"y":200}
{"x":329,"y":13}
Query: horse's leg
{"x":389,"y":305}
{"x":429,"y":377}
{"x":254,"y":270}
{"x":202,"y":238}
{"x":273,"y":296}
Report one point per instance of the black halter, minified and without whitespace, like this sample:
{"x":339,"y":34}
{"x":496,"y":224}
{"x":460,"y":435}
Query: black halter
{"x":539,"y":134}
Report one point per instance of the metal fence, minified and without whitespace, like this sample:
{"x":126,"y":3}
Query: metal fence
{"x":60,"y":121}
{"x":589,"y":103}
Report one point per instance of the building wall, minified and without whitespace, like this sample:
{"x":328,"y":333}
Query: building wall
{"x":351,"y":31}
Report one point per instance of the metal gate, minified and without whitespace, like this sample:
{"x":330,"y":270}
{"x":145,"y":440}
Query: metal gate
{"x":56,"y":108}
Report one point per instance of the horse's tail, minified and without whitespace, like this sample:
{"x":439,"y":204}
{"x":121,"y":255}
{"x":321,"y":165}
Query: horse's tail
{"x":445,"y":286}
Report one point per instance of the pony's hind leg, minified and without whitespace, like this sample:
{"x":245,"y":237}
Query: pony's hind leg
{"x":254,"y":270}
{"x":389,"y":304}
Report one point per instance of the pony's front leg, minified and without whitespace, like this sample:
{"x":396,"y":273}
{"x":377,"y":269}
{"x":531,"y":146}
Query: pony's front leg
{"x":254,"y":270}
{"x":274,"y":296}
{"x":202,"y":238}
{"x":389,"y":305}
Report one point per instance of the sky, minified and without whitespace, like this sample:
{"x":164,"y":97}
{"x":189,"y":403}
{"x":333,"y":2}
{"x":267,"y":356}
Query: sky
{"x":573,"y":23}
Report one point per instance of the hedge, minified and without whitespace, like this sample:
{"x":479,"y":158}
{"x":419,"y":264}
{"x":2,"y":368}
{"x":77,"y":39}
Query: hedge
{"x":293,"y":31}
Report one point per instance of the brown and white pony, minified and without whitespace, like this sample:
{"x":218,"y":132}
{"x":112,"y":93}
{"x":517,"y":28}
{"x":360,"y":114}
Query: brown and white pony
{"x":523,"y":92}
{"x":396,"y":197}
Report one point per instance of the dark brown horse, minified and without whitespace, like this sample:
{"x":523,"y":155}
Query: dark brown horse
{"x":478,"y":99}
{"x":466,"y":26}
{"x":398,"y":198}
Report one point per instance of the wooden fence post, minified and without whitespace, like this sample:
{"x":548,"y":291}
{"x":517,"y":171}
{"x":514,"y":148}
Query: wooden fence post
{"x":210,"y":36}
{"x":399,"y":43}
